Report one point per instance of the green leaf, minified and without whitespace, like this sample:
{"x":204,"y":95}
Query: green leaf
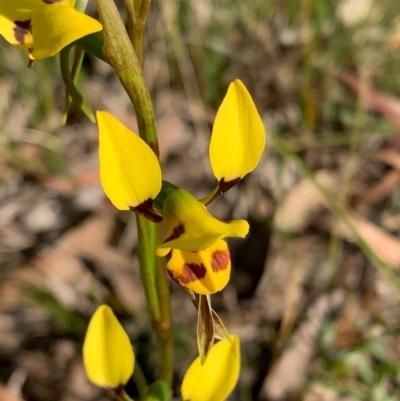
{"x":158,"y":391}
{"x":166,"y":188}
{"x":93,"y":44}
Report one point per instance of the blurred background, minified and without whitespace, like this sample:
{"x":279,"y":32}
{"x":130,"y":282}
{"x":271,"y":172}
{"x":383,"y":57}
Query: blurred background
{"x":315,"y":289}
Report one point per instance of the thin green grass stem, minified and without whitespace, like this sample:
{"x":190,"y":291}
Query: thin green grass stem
{"x":340,"y":212}
{"x":70,"y":85}
{"x":140,"y":380}
{"x":75,"y":71}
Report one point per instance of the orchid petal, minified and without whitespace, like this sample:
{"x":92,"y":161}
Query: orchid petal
{"x":216,"y":379}
{"x":238,"y":136}
{"x":107,"y":352}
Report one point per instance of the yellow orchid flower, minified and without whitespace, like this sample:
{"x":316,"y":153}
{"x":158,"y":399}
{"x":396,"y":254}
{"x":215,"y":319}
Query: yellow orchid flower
{"x":107,"y":352}
{"x":190,"y":227}
{"x":216,"y":379}
{"x":204,"y":272}
{"x":238,"y":137}
{"x":44,"y":27}
{"x":129,"y":170}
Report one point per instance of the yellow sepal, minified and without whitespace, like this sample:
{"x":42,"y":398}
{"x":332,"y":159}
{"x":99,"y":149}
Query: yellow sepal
{"x":204,"y":272}
{"x":58,"y":25}
{"x":129,"y":170}
{"x":216,"y":379}
{"x":16,"y":17}
{"x":107,"y":352}
{"x":238,"y":136}
{"x":190,"y":227}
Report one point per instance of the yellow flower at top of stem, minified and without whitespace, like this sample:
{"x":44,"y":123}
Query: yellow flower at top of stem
{"x":44,"y":27}
{"x":107,"y":352}
{"x":216,"y":379}
{"x":238,"y":137}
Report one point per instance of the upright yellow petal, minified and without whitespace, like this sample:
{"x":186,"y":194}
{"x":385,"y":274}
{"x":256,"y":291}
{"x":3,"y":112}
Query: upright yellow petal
{"x":190,"y":227}
{"x":204,"y":272}
{"x":58,"y":25}
{"x":238,"y":136}
{"x":129,"y":170}
{"x":107,"y":352}
{"x":216,"y":379}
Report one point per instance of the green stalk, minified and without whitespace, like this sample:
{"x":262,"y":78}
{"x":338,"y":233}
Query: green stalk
{"x":164,"y":333}
{"x":75,"y":71}
{"x":70,"y":86}
{"x":137,"y":37}
{"x":131,"y":17}
{"x":140,"y":380}
{"x":147,"y":265}
{"x":120,"y":53}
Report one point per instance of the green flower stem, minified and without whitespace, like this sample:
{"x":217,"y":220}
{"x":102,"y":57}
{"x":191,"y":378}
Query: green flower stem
{"x":70,"y":86}
{"x":81,"y":5}
{"x":75,"y":71}
{"x":154,"y":279}
{"x":139,"y":29}
{"x":165,"y":331}
{"x":131,"y":14}
{"x":124,"y":397}
{"x":119,"y":53}
{"x":140,"y":380}
{"x":147,"y":264}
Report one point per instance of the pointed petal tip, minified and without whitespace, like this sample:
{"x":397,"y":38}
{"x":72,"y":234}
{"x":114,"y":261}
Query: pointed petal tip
{"x":161,"y":252}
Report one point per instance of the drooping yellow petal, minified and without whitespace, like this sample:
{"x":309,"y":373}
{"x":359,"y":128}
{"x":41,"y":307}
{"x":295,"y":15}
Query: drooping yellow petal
{"x":129,"y":170}
{"x":238,"y":136}
{"x":16,"y":16}
{"x":203,"y":272}
{"x":216,"y":379}
{"x":107,"y":352}
{"x":58,"y":25}
{"x":190,"y":227}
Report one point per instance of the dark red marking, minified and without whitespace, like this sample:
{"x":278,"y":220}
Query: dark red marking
{"x":225,"y":185}
{"x":176,"y":233}
{"x":21,"y":29}
{"x":51,"y":1}
{"x":220,"y":260}
{"x":146,"y":209}
{"x":191,"y":272}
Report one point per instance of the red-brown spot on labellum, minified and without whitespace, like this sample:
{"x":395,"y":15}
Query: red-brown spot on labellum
{"x":220,"y":260}
{"x":51,"y":1}
{"x":176,"y":233}
{"x":21,"y":29}
{"x":190,"y":272}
